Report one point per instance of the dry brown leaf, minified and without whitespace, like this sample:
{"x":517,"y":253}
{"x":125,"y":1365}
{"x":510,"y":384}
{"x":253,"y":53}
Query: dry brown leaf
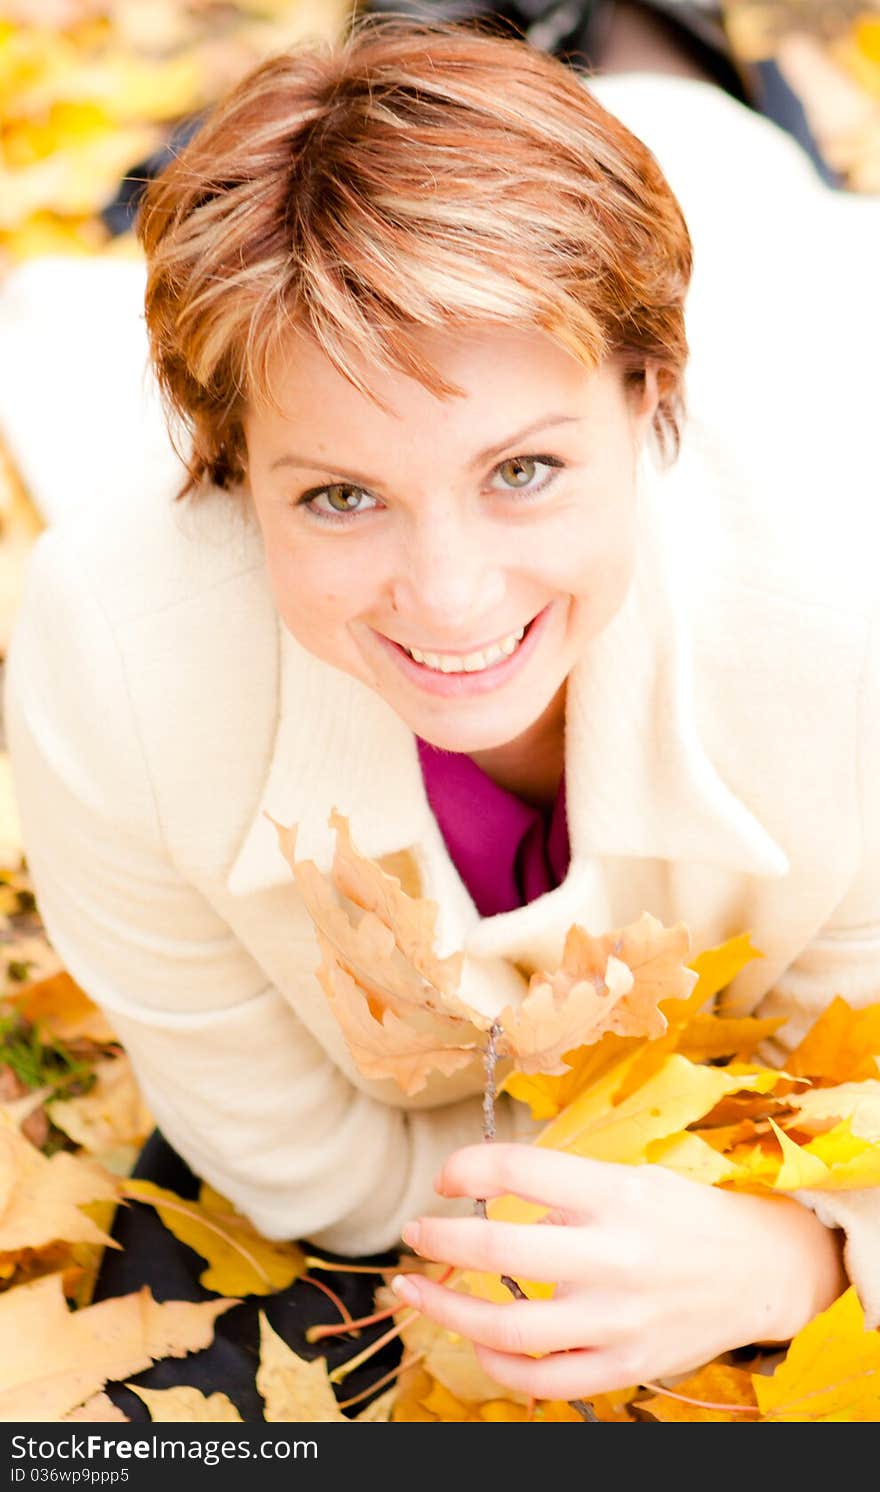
{"x":64,"y":1357}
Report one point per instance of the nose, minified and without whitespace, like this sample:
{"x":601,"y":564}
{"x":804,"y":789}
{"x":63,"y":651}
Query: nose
{"x":448,"y":578}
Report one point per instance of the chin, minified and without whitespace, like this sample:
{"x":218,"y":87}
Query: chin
{"x":465,"y":737}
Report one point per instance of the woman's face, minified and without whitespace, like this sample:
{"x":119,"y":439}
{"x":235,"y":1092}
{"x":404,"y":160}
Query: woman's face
{"x":450,"y":525}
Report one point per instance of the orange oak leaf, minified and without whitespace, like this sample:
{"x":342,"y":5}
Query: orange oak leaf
{"x":386,"y":1046}
{"x":395,"y":1000}
{"x":612,"y":983}
{"x":399,"y":1005}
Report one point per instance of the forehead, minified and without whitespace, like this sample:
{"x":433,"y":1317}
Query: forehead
{"x":507,"y":378}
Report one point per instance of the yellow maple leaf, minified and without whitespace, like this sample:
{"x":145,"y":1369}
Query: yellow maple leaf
{"x":678,"y":1095}
{"x":241,"y":1261}
{"x":692,"y":1157}
{"x":857,"y":1102}
{"x":831,"y":1371}
{"x":831,"y":1162}
{"x":413,"y":1386}
{"x":717,"y":1383}
{"x":715,"y":969}
{"x":698,"y":1036}
{"x":842,"y":1045}
{"x":707,"y":1037}
{"x":838,"y":1146}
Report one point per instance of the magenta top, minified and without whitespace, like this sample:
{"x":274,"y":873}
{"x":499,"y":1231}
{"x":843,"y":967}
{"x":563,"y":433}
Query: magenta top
{"x":506,"y":852}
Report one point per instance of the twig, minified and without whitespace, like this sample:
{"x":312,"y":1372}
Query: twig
{"x":584,"y":1409}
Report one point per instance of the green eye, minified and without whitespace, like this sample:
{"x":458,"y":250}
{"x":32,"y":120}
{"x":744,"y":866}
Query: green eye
{"x":520,"y":469}
{"x":350,"y":496}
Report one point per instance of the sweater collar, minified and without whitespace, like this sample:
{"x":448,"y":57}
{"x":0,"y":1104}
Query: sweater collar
{"x":639,"y":782}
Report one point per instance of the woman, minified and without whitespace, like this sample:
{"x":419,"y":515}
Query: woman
{"x":419,"y":303}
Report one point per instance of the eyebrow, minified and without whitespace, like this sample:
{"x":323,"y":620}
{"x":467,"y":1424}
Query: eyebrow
{"x":544,"y":423}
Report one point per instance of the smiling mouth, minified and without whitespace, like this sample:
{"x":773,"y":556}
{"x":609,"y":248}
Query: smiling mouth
{"x":477,"y":661}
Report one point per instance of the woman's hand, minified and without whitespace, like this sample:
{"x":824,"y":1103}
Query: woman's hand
{"x":656,"y":1274}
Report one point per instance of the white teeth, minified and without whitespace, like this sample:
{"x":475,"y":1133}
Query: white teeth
{"x":472,"y":662}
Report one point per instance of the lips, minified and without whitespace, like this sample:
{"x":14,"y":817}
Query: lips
{"x":461,"y":684}
{"x":462,"y":652}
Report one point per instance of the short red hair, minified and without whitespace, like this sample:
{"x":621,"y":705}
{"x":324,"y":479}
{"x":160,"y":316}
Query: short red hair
{"x":412,"y":175}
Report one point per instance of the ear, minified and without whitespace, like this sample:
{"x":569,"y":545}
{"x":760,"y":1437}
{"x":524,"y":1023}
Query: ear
{"x":646,"y":395}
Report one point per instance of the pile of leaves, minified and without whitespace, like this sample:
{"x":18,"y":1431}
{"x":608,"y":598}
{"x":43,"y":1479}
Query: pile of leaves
{"x":653,"y":1075}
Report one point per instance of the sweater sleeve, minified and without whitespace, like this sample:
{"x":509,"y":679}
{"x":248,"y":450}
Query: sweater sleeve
{"x":844,"y":959}
{"x":236,"y":1083}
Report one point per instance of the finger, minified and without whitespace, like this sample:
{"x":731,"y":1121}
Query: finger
{"x":547,"y":1253}
{"x":581,"y":1187}
{"x":562,"y":1375}
{"x":517,"y":1327}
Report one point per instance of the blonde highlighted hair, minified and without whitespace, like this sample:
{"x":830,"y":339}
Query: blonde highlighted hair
{"x":412,"y":175}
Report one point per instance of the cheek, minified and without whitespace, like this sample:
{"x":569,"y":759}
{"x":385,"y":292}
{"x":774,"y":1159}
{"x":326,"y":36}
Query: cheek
{"x":316,"y":601}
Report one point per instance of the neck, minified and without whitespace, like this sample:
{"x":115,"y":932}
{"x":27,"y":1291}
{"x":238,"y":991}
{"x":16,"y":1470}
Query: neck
{"x":531,"y":766}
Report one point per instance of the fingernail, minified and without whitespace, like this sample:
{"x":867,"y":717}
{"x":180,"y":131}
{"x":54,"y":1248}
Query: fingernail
{"x":437,"y":1183}
{"x":403,"y":1286}
{"x":411,"y":1234}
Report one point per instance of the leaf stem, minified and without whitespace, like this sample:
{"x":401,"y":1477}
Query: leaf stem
{"x":347,"y":1323}
{"x":702,"y":1403}
{"x":405,"y":1362}
{"x":339,"y":1328}
{"x":313,"y":1261}
{"x":127,"y":1190}
{"x":344,"y":1368}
